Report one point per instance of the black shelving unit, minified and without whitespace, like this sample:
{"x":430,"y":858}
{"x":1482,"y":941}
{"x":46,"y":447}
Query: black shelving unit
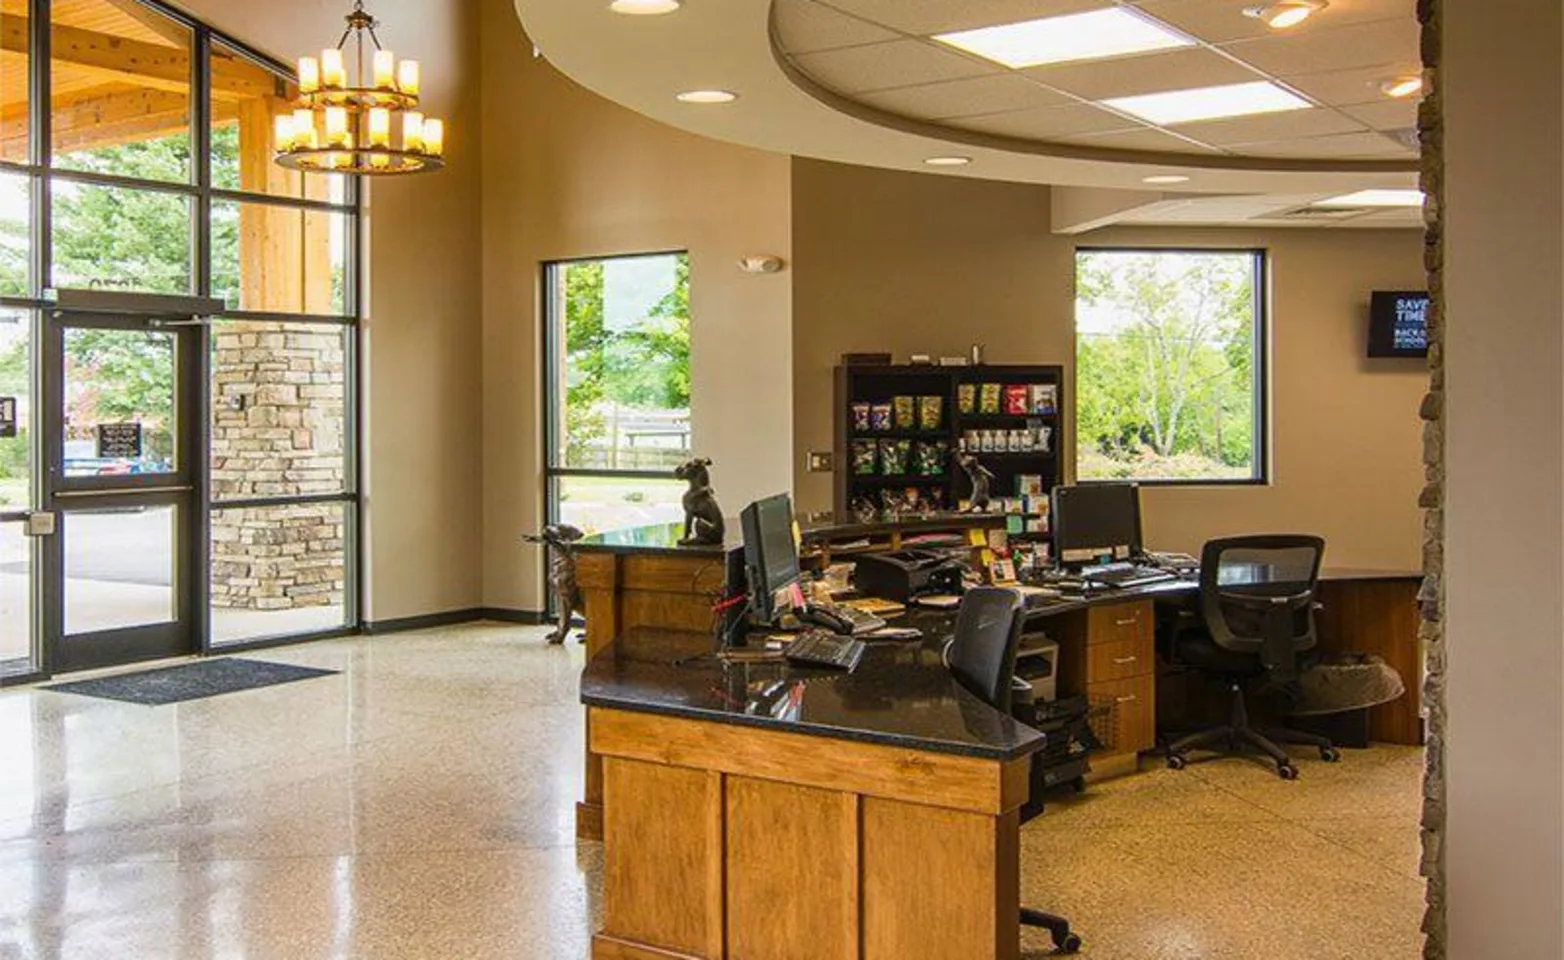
{"x":882,"y":384}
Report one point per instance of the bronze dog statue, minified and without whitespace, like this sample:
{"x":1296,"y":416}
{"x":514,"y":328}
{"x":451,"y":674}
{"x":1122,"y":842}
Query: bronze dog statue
{"x":703,"y":523}
{"x":559,"y":538}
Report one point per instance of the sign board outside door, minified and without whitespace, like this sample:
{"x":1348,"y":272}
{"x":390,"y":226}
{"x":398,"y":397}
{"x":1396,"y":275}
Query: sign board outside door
{"x":119,"y":441}
{"x":7,"y":416}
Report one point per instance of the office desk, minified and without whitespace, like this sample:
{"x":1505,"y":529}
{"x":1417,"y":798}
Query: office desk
{"x":760,"y":810}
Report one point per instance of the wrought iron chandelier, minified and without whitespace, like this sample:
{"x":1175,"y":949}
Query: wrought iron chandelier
{"x":340,"y":127}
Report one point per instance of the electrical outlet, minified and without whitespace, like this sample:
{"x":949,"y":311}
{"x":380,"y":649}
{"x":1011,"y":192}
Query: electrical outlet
{"x":820,"y":461}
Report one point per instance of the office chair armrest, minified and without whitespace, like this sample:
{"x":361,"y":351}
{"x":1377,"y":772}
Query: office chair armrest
{"x":1262,"y":602}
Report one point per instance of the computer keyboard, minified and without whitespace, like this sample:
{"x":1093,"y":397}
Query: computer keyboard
{"x":1125,"y":575}
{"x":817,"y":648}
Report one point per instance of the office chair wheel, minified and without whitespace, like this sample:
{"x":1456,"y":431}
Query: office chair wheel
{"x":1287,"y":771}
{"x":1078,"y":784}
{"x":1330,"y":754}
{"x":1177,"y":761}
{"x":1070,"y":944}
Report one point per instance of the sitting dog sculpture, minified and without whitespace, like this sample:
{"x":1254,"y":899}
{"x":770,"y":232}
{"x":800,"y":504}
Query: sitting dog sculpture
{"x":559,"y":539}
{"x":703,"y":523}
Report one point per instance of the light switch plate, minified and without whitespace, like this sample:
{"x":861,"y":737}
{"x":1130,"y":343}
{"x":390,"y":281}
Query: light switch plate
{"x":820,"y":461}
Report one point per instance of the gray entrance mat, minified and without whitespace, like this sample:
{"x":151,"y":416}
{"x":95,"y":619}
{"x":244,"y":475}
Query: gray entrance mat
{"x":191,"y":681}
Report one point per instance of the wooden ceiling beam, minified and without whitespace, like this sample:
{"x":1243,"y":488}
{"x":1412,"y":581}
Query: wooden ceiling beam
{"x":149,"y":64}
{"x":103,"y":119}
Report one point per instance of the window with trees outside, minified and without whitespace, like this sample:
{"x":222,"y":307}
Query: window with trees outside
{"x":618,"y":347}
{"x":1169,"y":366}
{"x":150,"y":169}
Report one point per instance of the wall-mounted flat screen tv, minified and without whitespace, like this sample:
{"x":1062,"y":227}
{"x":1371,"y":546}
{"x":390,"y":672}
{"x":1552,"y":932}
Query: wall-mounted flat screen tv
{"x":1398,"y":323}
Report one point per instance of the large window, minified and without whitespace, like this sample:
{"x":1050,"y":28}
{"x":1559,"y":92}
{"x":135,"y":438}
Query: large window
{"x":618,"y":343}
{"x":150,"y":170}
{"x":1169,"y":366}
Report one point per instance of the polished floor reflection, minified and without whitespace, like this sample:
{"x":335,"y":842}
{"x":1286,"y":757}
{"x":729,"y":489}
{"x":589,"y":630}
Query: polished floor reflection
{"x":420,"y":805}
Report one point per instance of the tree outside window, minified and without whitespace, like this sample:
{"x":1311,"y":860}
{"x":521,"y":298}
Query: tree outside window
{"x":1167,"y":366}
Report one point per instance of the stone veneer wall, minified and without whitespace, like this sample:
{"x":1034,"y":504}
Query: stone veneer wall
{"x":1431,"y":132}
{"x":279,"y":419}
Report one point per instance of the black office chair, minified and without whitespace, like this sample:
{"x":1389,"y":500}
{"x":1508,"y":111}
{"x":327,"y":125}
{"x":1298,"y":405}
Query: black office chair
{"x":982,"y":656}
{"x":1257,"y":602}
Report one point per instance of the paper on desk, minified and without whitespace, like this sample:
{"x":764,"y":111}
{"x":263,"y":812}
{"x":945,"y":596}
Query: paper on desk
{"x":939,"y":601}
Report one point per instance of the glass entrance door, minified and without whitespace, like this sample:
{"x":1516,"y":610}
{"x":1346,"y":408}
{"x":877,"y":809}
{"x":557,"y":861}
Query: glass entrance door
{"x":122,"y":454}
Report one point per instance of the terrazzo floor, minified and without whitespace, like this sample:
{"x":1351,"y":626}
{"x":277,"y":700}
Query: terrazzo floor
{"x":420,"y":805}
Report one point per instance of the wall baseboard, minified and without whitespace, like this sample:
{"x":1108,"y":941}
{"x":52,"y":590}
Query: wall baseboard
{"x":451,"y":618}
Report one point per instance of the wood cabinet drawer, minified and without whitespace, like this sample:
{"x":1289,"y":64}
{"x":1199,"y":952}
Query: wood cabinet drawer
{"x":1118,"y":622}
{"x":1131,"y":724}
{"x":1119,"y":660}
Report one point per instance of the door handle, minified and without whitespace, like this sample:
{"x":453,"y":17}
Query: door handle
{"x":1123,"y":660}
{"x":158,"y":323}
{"x":1129,"y":699}
{"x":1125,"y":623}
{"x":121,"y":491}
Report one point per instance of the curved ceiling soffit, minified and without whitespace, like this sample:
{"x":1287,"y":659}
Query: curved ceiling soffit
{"x":641,"y":62}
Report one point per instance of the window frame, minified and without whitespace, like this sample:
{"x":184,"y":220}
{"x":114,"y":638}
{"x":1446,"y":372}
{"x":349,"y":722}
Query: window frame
{"x":1260,"y":296}
{"x":41,"y":174}
{"x":549,"y":309}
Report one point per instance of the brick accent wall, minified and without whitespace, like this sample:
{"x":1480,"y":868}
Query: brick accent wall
{"x":1431,"y":132}
{"x":279,"y":428}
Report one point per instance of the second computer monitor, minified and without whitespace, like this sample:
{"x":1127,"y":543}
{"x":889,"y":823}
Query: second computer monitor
{"x":770,"y":552}
{"x":1096,"y":520}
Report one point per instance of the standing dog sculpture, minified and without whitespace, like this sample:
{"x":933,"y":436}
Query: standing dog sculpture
{"x":559,"y":539}
{"x":703,"y":523}
{"x":980,"y":476}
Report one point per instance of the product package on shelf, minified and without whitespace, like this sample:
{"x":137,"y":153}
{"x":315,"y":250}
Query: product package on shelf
{"x":931,"y":413}
{"x":928,"y":458}
{"x":893,"y":457}
{"x":966,"y":397}
{"x":906,"y":412}
{"x":1044,"y":399}
{"x":988,"y":398}
{"x":880,"y":417}
{"x":865,"y":457}
{"x":861,"y":420}
{"x":1030,"y":485}
{"x":1016,"y":399}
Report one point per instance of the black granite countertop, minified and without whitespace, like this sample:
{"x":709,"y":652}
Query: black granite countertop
{"x":664,"y":537}
{"x":900,"y":695}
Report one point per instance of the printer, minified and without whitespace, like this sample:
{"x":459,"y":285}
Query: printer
{"x":905,"y":574}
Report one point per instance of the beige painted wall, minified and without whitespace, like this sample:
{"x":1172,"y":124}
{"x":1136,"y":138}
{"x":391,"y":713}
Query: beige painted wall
{"x":568,"y":174}
{"x":916,"y":262}
{"x":423,"y":461}
{"x":1502,"y":75}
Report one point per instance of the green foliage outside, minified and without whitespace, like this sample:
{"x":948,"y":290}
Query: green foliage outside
{"x":1165,"y":365}
{"x":643,"y":367}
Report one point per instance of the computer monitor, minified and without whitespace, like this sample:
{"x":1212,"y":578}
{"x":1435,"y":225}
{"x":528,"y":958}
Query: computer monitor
{"x":770,"y":553}
{"x":1096,"y":520}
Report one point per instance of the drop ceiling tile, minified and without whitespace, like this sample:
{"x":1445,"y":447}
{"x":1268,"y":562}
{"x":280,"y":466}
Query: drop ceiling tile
{"x":1047,"y":123}
{"x":1389,"y":115}
{"x":1128,"y":76}
{"x":1342,"y":146}
{"x":1314,"y":122}
{"x":965,"y":98}
{"x":1344,"y":87}
{"x":1339,"y":48}
{"x":924,"y":17}
{"x":1219,"y":21}
{"x":1146,"y":138}
{"x":804,"y":26}
{"x":880,"y":66}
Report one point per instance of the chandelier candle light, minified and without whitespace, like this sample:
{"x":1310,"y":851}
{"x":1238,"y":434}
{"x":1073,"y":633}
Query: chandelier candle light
{"x":337,"y":127}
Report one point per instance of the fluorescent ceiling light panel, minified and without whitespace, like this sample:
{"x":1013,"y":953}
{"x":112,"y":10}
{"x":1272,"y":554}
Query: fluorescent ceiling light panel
{"x":1113,"y":32}
{"x":1209,"y":103}
{"x":1375,"y":198}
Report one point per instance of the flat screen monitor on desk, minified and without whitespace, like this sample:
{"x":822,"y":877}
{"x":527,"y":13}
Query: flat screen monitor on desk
{"x":770,"y":554}
{"x":1096,"y":520}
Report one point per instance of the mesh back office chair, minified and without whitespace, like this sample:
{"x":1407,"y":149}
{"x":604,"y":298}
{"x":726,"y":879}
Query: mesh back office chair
{"x":982,"y":657}
{"x":1257,"y":601}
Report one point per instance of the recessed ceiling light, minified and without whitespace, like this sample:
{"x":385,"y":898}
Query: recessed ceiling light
{"x":1288,"y":13}
{"x":1402,"y":87}
{"x":948,"y":161}
{"x":1079,"y":36}
{"x":707,"y":96}
{"x":644,"y":8}
{"x":1165,"y":178}
{"x":1374,"y":198}
{"x":1209,"y":103}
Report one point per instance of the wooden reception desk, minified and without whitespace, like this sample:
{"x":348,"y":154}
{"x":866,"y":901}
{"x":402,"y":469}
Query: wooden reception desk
{"x":760,"y":810}
{"x":642,"y":578}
